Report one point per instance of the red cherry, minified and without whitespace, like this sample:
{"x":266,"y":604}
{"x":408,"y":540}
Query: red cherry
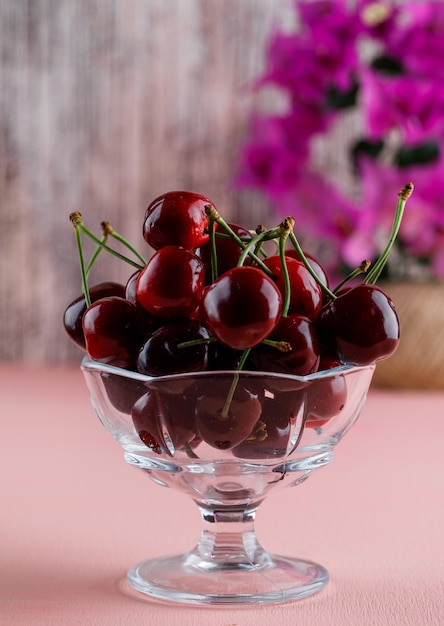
{"x":122,"y":392}
{"x":149,"y":322}
{"x":326,"y":397}
{"x":224,"y":427}
{"x":270,"y":437}
{"x":360,"y":326}
{"x":162,"y":430}
{"x":242,"y":307}
{"x":228,"y":251}
{"x":112,"y":332}
{"x":306,"y":294}
{"x":317,"y":267}
{"x":176,"y":218}
{"x":171,"y":283}
{"x":72,"y":318}
{"x":161,"y":355}
{"x":303,"y":357}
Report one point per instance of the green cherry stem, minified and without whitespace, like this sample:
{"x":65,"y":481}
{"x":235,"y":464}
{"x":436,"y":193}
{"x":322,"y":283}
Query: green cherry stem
{"x":254,"y":243}
{"x":226,"y":408}
{"x":96,"y":254}
{"x":107,"y":228}
{"x":283,"y":346}
{"x":306,"y":262}
{"x":76,"y":220}
{"x":362,"y":269}
{"x":213,"y":250}
{"x":195,"y":342}
{"x":403,"y":196}
{"x":214,"y":216}
{"x":285,"y":228}
{"x":89,"y":234}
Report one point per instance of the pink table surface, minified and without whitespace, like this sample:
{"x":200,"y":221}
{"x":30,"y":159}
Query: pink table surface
{"x":74,"y":516}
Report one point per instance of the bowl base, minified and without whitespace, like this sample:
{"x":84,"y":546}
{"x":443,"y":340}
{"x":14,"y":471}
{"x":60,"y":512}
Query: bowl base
{"x":183,"y":578}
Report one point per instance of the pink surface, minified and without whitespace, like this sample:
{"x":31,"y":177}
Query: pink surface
{"x":74,"y":516}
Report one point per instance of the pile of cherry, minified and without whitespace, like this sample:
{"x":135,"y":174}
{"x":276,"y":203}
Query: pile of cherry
{"x":210,"y":298}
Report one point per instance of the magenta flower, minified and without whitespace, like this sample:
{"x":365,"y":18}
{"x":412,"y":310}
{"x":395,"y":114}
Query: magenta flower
{"x":418,"y":38}
{"x":374,"y":66}
{"x":413,"y":106}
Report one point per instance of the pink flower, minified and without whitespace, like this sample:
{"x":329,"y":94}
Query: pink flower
{"x":418,"y":38}
{"x":409,"y":104}
{"x":384,"y":58}
{"x":266,"y":161}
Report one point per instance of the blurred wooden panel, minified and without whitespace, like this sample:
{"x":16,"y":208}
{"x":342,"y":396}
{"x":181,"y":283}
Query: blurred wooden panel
{"x":103,"y":106}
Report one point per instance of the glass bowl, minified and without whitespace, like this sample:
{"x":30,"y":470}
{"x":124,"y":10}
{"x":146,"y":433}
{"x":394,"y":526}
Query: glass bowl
{"x":227,"y":439}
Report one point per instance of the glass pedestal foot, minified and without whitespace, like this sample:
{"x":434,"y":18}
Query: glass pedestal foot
{"x":187,"y":579}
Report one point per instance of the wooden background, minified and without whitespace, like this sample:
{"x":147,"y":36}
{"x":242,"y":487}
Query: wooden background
{"x":103,"y":106}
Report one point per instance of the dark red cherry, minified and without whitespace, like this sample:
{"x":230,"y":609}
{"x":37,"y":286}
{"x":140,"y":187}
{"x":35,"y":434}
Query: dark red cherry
{"x":171,"y":283}
{"x":72,"y":318}
{"x":149,"y":322}
{"x":122,"y":392}
{"x":228,"y":251}
{"x":242,"y":307}
{"x":316,"y":266}
{"x":302,"y":358}
{"x":162,"y":429}
{"x":176,"y":218}
{"x":360,"y":326}
{"x":270,"y":437}
{"x":161,"y":355}
{"x":224,"y":419}
{"x":112,"y":332}
{"x":326,"y":396}
{"x":306,"y":294}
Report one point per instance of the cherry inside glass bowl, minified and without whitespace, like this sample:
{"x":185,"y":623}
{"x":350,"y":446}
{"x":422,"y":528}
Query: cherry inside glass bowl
{"x":227,"y":439}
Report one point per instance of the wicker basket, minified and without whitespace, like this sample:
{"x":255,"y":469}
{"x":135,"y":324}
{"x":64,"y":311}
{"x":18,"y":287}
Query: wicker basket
{"x":418,"y":362}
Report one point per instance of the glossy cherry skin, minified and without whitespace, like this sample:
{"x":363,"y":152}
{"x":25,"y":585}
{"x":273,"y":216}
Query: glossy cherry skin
{"x":161,"y":355}
{"x":306,"y":294}
{"x":122,"y":392}
{"x":162,"y":423}
{"x":270,"y":437}
{"x":302,"y":358}
{"x":72,"y":318}
{"x":176,"y":218}
{"x":326,"y":397}
{"x":360,"y":326}
{"x":149,"y":321}
{"x":224,"y":427}
{"x":112,"y":332}
{"x":171,"y":283}
{"x":228,"y":251}
{"x":317,"y":267}
{"x":242,"y":307}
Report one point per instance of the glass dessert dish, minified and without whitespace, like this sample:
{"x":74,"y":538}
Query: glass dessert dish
{"x":227,"y":439}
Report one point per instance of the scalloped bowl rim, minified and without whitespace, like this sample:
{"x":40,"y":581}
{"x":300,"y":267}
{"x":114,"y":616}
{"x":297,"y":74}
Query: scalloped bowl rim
{"x":92,"y":365}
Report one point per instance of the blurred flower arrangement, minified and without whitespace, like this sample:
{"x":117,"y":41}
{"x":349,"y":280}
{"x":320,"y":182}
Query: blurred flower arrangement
{"x":362,"y":83}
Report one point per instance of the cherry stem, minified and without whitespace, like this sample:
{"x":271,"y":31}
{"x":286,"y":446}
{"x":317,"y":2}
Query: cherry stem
{"x":195,"y":342}
{"x":253,"y":243}
{"x":283,"y":346}
{"x":379,"y":265}
{"x":107,"y":228}
{"x":213,"y":250}
{"x":96,"y":254}
{"x":362,"y":269}
{"x":306,"y":262}
{"x":285,"y":228}
{"x":87,"y":232}
{"x":214,"y":216}
{"x":226,"y":408}
{"x":76,"y":219}
{"x":190,"y":452}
